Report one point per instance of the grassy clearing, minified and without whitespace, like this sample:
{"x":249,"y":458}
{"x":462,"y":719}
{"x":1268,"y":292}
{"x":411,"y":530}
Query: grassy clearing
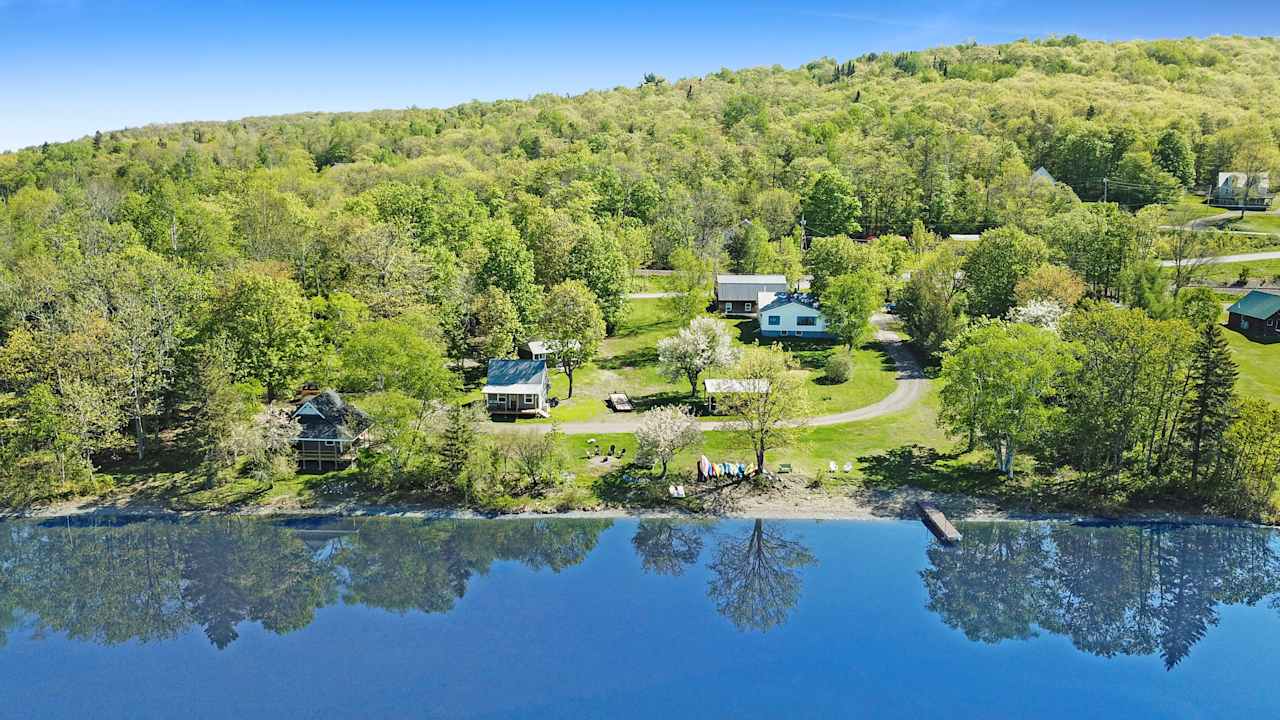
{"x":1191,"y":207}
{"x":1227,"y":273}
{"x":1258,"y":364}
{"x":1254,"y":222}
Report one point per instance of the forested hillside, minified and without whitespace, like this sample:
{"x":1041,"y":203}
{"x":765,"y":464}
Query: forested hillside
{"x":170,"y":278}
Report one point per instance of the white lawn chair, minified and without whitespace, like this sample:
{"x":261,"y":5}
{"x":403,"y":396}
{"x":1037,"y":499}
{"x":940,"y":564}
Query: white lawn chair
{"x":848,"y":467}
{"x":831,"y":466}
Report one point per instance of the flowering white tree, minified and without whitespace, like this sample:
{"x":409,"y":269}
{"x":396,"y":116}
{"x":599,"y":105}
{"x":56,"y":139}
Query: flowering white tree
{"x":704,"y":344}
{"x":665,"y":431}
{"x":1040,"y":313}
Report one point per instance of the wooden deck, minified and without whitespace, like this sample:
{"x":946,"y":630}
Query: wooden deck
{"x":937,"y":523}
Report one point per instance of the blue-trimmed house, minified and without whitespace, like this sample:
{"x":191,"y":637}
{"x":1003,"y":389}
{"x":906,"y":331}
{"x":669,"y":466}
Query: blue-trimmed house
{"x":788,"y":314}
{"x":517,"y":388}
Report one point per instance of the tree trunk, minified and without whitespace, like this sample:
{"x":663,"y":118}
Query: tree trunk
{"x":569,"y":373}
{"x":664,"y":469}
{"x":760,"y":460}
{"x":138,"y":433}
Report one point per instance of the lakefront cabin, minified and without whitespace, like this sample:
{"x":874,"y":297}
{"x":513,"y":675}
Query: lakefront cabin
{"x":736,"y":294}
{"x":791,"y":315}
{"x":516,"y":388}
{"x":1256,"y":316}
{"x":332,"y":430}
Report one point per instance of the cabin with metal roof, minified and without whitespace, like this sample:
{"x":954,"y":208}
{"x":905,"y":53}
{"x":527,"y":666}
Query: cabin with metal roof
{"x":516,"y":388}
{"x":331,"y":430}
{"x":1256,"y":316}
{"x":736,"y":294}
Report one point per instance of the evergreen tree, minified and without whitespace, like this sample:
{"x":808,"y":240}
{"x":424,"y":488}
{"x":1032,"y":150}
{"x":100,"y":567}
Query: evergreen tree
{"x":1209,"y":414}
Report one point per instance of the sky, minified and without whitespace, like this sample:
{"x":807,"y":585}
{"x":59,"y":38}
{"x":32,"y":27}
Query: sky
{"x":70,"y":67}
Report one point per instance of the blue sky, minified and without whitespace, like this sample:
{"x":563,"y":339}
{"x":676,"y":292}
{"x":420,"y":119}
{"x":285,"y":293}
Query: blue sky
{"x":69,"y":67}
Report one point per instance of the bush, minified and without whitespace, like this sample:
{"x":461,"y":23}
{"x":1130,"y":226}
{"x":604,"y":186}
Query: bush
{"x":838,"y":369}
{"x":1243,"y":277}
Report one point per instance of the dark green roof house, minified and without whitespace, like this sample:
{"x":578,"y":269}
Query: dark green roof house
{"x":1257,"y":316}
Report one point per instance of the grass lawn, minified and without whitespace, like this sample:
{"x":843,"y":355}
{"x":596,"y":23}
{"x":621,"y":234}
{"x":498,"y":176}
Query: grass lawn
{"x":1190,"y":207}
{"x":628,"y":362}
{"x":1228,"y":272}
{"x":1254,"y":222}
{"x":1258,"y":364}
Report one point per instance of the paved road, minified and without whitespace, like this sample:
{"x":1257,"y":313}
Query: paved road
{"x":1245,"y":257}
{"x":912,"y":384}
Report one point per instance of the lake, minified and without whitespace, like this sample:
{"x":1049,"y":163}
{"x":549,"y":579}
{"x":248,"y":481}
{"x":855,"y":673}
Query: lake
{"x":379,"y":617}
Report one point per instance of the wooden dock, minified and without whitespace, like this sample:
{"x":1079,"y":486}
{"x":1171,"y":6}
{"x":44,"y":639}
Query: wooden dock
{"x":937,"y":523}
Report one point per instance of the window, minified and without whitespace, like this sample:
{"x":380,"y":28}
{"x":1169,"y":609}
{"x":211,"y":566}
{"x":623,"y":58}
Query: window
{"x":775,"y":319}
{"x":807,"y":321}
{"x":746,"y":307}
{"x":529,"y":399}
{"x":728,"y":307}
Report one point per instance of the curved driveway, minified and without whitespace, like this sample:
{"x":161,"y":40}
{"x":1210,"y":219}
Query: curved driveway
{"x":911,"y":385}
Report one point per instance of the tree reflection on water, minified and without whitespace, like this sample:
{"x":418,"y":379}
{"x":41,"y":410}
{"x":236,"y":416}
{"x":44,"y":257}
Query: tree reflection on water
{"x":1121,"y":590}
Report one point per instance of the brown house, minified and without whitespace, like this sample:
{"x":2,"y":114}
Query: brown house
{"x":1256,"y":316}
{"x":332,"y":430}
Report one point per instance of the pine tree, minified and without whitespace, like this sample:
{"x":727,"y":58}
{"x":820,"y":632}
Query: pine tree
{"x":458,"y":444}
{"x":1213,"y":378}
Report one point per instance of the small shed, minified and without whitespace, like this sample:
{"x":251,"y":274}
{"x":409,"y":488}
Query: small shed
{"x":1256,"y":316}
{"x":332,"y":430}
{"x":517,"y":387}
{"x":545,"y":349}
{"x":718,"y":388}
{"x":737,"y":294}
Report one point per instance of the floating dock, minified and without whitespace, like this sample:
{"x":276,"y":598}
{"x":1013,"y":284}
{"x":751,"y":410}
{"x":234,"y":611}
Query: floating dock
{"x":937,"y":523}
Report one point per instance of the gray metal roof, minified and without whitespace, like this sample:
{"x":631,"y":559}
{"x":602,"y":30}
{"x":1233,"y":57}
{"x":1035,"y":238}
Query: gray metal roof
{"x":516,"y":376}
{"x":744,"y":288}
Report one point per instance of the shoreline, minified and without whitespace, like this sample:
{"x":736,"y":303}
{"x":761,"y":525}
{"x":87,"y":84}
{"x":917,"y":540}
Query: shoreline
{"x":897,"y":505}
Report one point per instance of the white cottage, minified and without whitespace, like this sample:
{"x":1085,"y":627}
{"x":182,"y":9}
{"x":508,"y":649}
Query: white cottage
{"x":517,"y":387}
{"x":736,"y":294}
{"x":791,"y":315}
{"x":718,"y":388}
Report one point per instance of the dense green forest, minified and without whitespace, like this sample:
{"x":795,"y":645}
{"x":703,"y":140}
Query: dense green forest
{"x":158,"y":284}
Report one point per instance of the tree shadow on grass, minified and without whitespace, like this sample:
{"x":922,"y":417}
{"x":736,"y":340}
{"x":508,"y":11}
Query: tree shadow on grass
{"x":640,"y":357}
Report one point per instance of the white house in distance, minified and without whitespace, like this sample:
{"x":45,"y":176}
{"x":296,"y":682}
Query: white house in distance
{"x":787,"y":314}
{"x":717,"y":388}
{"x":517,"y":387}
{"x":1233,"y":186}
{"x":737,"y":294}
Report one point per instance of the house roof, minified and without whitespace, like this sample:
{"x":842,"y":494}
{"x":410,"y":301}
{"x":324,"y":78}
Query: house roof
{"x":516,"y":376}
{"x":543,"y":347}
{"x":328,"y":417}
{"x":743,"y":288}
{"x":1042,"y":174}
{"x":1258,"y":305}
{"x":771,"y":301}
{"x":722,"y":385}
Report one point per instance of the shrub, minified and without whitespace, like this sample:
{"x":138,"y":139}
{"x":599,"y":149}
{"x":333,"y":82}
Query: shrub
{"x":838,"y":369}
{"x":1243,"y":277}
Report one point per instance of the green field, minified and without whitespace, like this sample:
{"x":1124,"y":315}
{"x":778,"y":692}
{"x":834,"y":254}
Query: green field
{"x":1227,"y":273}
{"x":1191,"y":207}
{"x":1254,"y":222}
{"x":1259,"y":364}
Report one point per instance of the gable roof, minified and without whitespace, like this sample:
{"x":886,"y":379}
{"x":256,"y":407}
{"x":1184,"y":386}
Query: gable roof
{"x":772,"y":301}
{"x":544,"y":347}
{"x":723,"y":385}
{"x":328,"y":417}
{"x":743,"y":288}
{"x":516,"y":376}
{"x":1258,"y":305}
{"x":1042,"y":174}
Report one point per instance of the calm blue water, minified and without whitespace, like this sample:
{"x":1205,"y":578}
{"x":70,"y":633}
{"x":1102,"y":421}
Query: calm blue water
{"x":612,"y":619}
